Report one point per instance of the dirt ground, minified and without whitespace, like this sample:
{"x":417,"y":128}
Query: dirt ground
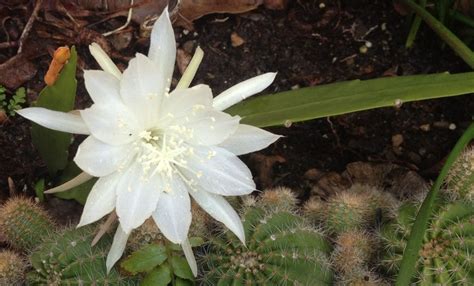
{"x":308,"y":45}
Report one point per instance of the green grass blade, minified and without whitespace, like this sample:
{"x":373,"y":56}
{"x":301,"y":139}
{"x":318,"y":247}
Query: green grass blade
{"x":411,"y":253}
{"x":53,"y":145}
{"x":444,"y":33}
{"x":415,"y":26}
{"x":350,"y":96}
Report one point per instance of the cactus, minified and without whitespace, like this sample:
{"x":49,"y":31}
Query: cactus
{"x":460,"y":179}
{"x":12,"y":268}
{"x":446,"y":255}
{"x":361,"y":277}
{"x":23,"y":223}
{"x":356,"y":208}
{"x":67,"y":258}
{"x":280,"y":197}
{"x":281,"y":249}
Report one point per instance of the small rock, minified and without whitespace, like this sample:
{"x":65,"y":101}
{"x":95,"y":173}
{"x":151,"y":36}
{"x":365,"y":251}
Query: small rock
{"x":188,"y":46}
{"x":121,"y":41}
{"x":441,"y":124}
{"x":425,"y":127}
{"x":313,"y":174}
{"x":452,"y":126}
{"x":397,"y":140}
{"x":236,"y":40}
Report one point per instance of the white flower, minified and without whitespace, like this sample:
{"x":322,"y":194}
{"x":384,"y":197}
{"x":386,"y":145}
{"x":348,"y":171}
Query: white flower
{"x":152,"y":149}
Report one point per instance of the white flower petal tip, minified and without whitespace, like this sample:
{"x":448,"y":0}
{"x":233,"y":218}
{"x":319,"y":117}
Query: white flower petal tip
{"x":56,"y":120}
{"x":188,"y":253}
{"x":117,"y":248}
{"x":249,"y":139}
{"x":104,"y":61}
{"x":74,"y":182}
{"x":243,"y":90}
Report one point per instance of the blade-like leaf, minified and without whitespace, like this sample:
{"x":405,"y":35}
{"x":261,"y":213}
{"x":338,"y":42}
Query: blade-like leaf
{"x":53,"y":145}
{"x":344,"y":97}
{"x":145,"y":259}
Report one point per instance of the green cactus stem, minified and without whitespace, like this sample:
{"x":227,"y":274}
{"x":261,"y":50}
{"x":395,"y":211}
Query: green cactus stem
{"x":460,"y":179}
{"x":12,"y":268}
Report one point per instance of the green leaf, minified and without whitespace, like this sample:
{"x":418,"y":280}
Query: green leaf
{"x":350,"y":96}
{"x":196,"y":241}
{"x":183,"y":282}
{"x":145,"y":259}
{"x":53,"y":145}
{"x":39,"y":190}
{"x":181,"y":268}
{"x":418,"y":230}
{"x":78,"y":193}
{"x":160,"y":276}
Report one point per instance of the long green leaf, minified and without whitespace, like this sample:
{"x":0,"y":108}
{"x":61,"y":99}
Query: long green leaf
{"x":53,"y":145}
{"x":415,"y":26}
{"x":344,"y":97}
{"x":411,"y":253}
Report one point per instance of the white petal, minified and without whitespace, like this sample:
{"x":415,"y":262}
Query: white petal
{"x":163,"y":46}
{"x":117,"y":248}
{"x":114,"y":125}
{"x":101,"y":199}
{"x":210,"y":127}
{"x":60,"y":121}
{"x":241,"y":91}
{"x":188,"y":253}
{"x":180,"y":104}
{"x":100,"y":159}
{"x":218,"y":171}
{"x":102,"y":87}
{"x":217,"y":207}
{"x":142,"y":89}
{"x":248,"y":139}
{"x":74,"y":182}
{"x":173,"y":212}
{"x":137,"y":197}
{"x":104,"y":61}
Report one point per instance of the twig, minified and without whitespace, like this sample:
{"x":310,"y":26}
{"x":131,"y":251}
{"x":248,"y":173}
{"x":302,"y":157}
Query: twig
{"x":29,"y":24}
{"x":129,"y":18}
{"x":6,"y":45}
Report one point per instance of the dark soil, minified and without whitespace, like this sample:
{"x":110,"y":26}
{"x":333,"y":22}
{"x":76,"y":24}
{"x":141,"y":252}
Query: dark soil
{"x":307,"y":46}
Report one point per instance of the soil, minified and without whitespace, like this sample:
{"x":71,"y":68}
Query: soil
{"x":307,"y":45}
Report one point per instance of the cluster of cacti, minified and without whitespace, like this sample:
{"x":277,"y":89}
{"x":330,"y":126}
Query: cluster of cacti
{"x":460,"y":179}
{"x":446,"y":257}
{"x":356,"y":208}
{"x":23,"y":223}
{"x":12,"y":268}
{"x":67,"y":258}
{"x":281,"y":249}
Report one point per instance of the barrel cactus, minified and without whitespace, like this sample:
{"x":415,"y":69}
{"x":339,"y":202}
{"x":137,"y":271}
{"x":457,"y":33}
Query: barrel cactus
{"x":446,"y":255}
{"x":460,"y":179}
{"x":282,"y":249}
{"x":279,"y":197}
{"x":23,"y":223}
{"x":12,"y":268}
{"x":67,"y":258}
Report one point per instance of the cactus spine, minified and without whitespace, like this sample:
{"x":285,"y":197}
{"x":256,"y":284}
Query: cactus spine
{"x":12,"y":268}
{"x":446,"y":255}
{"x":282,"y":249}
{"x":24,"y":223}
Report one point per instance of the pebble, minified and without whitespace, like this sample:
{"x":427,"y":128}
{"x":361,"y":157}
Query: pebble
{"x":236,"y":40}
{"x":397,"y":140}
{"x":425,"y":127}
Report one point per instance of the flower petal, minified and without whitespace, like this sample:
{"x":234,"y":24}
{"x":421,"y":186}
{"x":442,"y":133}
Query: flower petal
{"x":181,"y":103}
{"x":104,"y":61}
{"x":102,"y":87}
{"x":137,"y":197}
{"x":218,"y":171}
{"x":100,"y":159}
{"x":117,"y":248}
{"x":142,"y":88}
{"x":218,"y":208}
{"x":248,"y":139}
{"x":114,"y":125}
{"x":188,"y":253}
{"x":60,"y":121}
{"x":242,"y":90}
{"x":173,"y":211}
{"x":163,"y":46}
{"x":101,"y":199}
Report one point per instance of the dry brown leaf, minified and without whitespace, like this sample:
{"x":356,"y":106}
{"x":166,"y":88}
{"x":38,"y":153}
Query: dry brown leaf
{"x":16,"y":71}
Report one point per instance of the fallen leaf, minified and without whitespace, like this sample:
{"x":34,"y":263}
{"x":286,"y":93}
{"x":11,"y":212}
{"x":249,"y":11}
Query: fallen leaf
{"x":263,"y":165}
{"x":16,"y":71}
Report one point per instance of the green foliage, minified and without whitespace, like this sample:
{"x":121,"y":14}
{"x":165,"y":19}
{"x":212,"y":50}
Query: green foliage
{"x":350,"y":96}
{"x":282,"y":249}
{"x":53,"y":145}
{"x":12,"y":105}
{"x":67,"y":258}
{"x":23,"y":223}
{"x":12,"y":268}
{"x":445,"y":257}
